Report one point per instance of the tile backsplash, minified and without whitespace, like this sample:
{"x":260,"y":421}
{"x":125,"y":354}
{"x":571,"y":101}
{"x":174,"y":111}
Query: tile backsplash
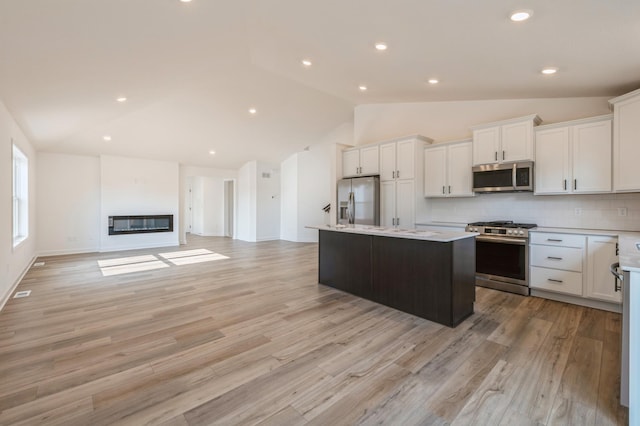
{"x":598,"y":211}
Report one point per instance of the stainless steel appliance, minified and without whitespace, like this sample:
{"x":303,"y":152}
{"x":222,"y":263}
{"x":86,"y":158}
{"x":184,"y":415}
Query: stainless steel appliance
{"x":359,"y":201}
{"x":623,"y":278}
{"x":505,"y":177}
{"x":502,"y":255}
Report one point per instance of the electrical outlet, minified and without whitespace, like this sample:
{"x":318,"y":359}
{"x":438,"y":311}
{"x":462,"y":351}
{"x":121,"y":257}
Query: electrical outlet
{"x":577,"y":211}
{"x":622,"y":211}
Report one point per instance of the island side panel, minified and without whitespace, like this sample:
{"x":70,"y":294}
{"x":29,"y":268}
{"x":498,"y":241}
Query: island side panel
{"x":345,"y":262}
{"x":414,"y":276}
{"x":463,"y":279}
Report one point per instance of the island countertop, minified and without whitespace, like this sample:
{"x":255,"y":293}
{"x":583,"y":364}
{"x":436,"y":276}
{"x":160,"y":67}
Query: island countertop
{"x":414,"y":234}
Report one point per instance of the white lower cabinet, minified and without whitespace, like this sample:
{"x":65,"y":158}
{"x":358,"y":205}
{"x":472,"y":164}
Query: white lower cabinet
{"x":602,"y":252}
{"x":574,"y":265}
{"x":397,"y":203}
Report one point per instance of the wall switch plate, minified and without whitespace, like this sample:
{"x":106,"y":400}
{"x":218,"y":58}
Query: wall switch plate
{"x":622,"y":211}
{"x":577,"y":211}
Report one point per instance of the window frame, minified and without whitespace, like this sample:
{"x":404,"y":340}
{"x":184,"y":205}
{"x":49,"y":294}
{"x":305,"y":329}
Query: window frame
{"x":20,"y":196}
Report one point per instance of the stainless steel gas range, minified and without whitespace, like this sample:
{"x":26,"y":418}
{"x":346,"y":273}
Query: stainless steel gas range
{"x":502,"y":255}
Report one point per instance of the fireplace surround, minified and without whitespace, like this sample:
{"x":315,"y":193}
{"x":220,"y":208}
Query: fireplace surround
{"x":140,"y":224}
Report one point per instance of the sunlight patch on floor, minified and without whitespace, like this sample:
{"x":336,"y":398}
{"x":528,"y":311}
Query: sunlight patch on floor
{"x":133,"y":267}
{"x":188,"y":260}
{"x":126,"y":260}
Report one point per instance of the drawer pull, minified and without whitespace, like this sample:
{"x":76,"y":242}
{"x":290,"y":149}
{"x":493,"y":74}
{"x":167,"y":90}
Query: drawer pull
{"x":554,"y":240}
{"x":554,"y":281}
{"x":554,"y":258}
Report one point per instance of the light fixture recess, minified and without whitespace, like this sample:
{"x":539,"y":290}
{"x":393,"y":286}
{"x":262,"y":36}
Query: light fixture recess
{"x":433,"y":81}
{"x":521,"y":15}
{"x":252,"y":110}
{"x":549,"y":70}
{"x":185,"y":1}
{"x":306,"y":62}
{"x":106,"y":138}
{"x":381,"y":46}
{"x":121,"y":99}
{"x":212,"y":152}
{"x":362,"y":88}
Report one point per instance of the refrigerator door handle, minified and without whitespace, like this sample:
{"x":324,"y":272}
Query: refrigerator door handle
{"x":351,"y":209}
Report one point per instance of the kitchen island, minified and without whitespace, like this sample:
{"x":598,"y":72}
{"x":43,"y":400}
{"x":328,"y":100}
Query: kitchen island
{"x":430,"y":274}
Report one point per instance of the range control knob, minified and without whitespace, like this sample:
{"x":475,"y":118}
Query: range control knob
{"x":509,"y":232}
{"x":521,"y":232}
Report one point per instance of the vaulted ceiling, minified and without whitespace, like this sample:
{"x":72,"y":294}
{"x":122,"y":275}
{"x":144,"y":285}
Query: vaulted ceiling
{"x":191,"y":71}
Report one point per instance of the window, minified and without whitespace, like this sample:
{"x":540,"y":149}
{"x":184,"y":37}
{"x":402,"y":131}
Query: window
{"x":20,"y":196}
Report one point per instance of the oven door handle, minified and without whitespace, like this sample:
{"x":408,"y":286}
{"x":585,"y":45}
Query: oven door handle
{"x":507,"y":240}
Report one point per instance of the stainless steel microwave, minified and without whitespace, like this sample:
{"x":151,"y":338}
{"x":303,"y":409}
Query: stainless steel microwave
{"x":505,"y":177}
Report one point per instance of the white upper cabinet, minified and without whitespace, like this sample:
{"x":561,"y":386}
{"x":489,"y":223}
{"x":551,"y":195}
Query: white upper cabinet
{"x":574,"y":157}
{"x":398,"y":159}
{"x":504,"y":141}
{"x":360,"y":161}
{"x":626,"y":142}
{"x":447,"y":170}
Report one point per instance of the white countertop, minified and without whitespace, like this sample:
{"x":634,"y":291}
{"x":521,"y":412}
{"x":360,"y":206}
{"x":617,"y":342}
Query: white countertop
{"x":606,"y":232}
{"x":413,"y":234}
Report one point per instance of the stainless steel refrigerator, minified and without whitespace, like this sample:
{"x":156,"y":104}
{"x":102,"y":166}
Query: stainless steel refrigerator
{"x":359,"y":201}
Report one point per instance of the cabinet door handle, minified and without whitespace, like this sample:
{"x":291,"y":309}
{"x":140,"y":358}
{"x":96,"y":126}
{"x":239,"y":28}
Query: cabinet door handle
{"x":565,"y":184}
{"x":554,"y":258}
{"x":554,"y":281}
{"x":554,"y":240}
{"x":397,"y":221}
{"x":503,"y":155}
{"x":393,"y":175}
{"x":449,"y":189}
{"x":496,"y":155}
{"x":397,"y":173}
{"x":575,"y":184}
{"x":443,"y":189}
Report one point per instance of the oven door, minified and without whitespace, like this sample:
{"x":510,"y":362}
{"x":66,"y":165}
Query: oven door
{"x":502,"y":263}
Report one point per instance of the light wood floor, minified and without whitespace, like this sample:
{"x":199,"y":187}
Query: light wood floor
{"x":254,"y":339}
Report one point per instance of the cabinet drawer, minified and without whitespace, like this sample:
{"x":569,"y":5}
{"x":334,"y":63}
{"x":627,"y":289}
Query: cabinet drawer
{"x":555,"y":280}
{"x":565,"y":240}
{"x":568,"y":258}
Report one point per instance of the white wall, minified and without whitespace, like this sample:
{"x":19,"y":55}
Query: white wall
{"x":258,"y":201}
{"x":68,"y":203}
{"x":246,"y":202}
{"x":14,"y":261}
{"x":444,"y":121}
{"x":289,"y":199}
{"x":267,"y":202}
{"x":132,"y":186}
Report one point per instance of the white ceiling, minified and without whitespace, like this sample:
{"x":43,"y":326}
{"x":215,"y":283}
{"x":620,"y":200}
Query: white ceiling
{"x":192,"y":70}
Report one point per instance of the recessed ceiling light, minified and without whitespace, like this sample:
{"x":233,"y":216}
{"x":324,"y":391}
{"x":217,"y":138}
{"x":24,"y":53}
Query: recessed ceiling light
{"x":433,"y":81}
{"x":212,"y":152}
{"x":306,"y":62}
{"x":521,"y":15}
{"x":549,"y":70}
{"x":381,"y":46}
{"x":121,"y":99}
{"x":362,"y":88}
{"x":185,"y":1}
{"x":252,"y":110}
{"x":106,"y":138}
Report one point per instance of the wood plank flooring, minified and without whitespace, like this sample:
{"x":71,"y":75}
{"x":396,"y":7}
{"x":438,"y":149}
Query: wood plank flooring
{"x":254,"y":340}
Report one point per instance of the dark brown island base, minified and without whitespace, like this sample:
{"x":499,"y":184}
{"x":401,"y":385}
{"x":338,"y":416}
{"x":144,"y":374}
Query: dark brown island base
{"x":425,"y":273}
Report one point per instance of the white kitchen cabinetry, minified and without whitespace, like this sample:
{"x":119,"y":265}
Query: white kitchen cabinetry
{"x":574,"y":268}
{"x":401,"y":180}
{"x":447,"y":170}
{"x":504,"y":141}
{"x":360,"y":161}
{"x":626,"y":142}
{"x":574,"y":157}
{"x":397,"y":200}
{"x":602,"y":252}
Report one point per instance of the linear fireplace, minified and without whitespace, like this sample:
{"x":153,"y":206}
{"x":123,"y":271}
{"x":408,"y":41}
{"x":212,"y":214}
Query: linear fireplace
{"x":120,"y":225}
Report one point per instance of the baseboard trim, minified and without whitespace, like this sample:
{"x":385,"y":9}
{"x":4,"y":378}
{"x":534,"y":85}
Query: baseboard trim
{"x":575,"y":300}
{"x":68,"y":251}
{"x":7,"y":296}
